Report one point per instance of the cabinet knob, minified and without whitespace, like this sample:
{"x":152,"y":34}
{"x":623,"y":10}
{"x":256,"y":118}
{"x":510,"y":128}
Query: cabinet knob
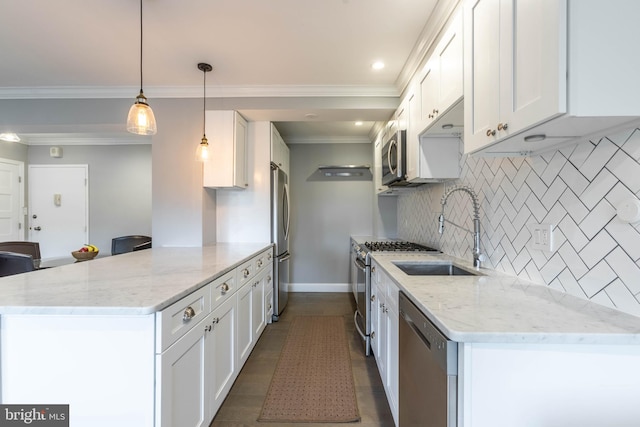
{"x":503,"y":126}
{"x":215,"y":320}
{"x":259,"y":263}
{"x":224,"y":288}
{"x":373,"y":335}
{"x":189,"y":313}
{"x":373,"y":269}
{"x":373,"y":298}
{"x":268,"y":278}
{"x":491,"y":132}
{"x":245,"y":272}
{"x":207,"y":328}
{"x":435,"y":111}
{"x":268,"y":256}
{"x":431,"y":116}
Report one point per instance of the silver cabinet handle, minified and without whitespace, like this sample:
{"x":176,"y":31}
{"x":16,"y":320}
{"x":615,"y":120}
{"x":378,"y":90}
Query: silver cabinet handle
{"x":224,"y":288}
{"x":38,"y":228}
{"x":189,"y":313}
{"x":256,"y":284}
{"x":491,"y":132}
{"x":259,"y":263}
{"x":245,"y":272}
{"x":503,"y":126}
{"x":207,"y":328}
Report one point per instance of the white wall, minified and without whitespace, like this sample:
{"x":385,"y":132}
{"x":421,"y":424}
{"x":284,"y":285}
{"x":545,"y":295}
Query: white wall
{"x":577,"y":189}
{"x":119,"y":187}
{"x":244,"y":215}
{"x":324,"y":213}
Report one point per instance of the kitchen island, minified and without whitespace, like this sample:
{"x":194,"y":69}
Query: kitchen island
{"x":528,"y":355}
{"x":139,"y":339}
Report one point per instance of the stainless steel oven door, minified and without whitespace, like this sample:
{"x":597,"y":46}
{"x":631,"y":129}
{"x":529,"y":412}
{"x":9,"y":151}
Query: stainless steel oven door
{"x":362,"y":293}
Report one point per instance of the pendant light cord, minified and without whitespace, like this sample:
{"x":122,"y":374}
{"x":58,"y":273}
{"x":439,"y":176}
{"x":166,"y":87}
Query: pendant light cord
{"x":204,"y":103}
{"x":140,"y":46}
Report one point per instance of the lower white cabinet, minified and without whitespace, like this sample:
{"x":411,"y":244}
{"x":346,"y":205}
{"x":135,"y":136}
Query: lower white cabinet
{"x":194,"y":374}
{"x":384,"y":337}
{"x":181,"y":380}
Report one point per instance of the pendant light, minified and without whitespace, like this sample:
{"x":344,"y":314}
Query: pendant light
{"x":202,"y":153}
{"x":141,"y":120}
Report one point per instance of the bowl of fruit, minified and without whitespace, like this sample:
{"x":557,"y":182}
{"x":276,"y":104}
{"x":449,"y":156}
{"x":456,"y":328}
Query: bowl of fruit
{"x":85,"y":253}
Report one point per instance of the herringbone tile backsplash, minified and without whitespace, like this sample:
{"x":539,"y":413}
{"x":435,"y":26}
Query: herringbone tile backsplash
{"x":576,"y":189}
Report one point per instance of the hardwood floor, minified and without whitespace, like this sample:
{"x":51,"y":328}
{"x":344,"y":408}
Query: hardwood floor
{"x":244,"y":402}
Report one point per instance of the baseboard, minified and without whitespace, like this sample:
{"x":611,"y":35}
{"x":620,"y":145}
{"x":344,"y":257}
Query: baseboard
{"x":319,"y":287}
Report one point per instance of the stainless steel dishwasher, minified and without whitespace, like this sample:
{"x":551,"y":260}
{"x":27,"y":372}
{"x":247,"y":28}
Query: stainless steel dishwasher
{"x":428,"y":371}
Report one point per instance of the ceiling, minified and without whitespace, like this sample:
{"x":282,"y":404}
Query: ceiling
{"x":260,"y":49}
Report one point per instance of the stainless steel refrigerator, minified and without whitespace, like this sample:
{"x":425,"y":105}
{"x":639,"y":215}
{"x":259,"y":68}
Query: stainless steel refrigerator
{"x":280,"y":227}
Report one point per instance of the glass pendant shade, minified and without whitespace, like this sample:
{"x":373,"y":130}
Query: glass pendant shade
{"x":141,"y":120}
{"x":202,"y":152}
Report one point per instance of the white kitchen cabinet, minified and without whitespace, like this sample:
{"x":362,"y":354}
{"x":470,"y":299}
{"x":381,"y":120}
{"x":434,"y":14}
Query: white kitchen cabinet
{"x":181,"y":375}
{"x":384,"y":315}
{"x":539,"y":74}
{"x":441,"y":82}
{"x":228,"y":144}
{"x":279,"y":150}
{"x":432,"y":106}
{"x":245,"y":327}
{"x":221,"y":355}
{"x":258,"y":314}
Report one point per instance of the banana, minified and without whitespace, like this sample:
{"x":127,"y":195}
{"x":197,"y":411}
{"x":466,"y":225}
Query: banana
{"x":91,"y":248}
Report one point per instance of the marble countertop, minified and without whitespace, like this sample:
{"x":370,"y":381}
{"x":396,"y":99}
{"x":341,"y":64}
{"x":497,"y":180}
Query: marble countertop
{"x":497,"y":308}
{"x":135,"y":283}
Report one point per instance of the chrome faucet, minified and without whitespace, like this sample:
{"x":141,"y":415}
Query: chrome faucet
{"x":477,"y":255}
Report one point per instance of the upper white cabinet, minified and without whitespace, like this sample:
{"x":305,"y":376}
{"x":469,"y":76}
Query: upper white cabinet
{"x":228,"y":141}
{"x":279,"y":150}
{"x":539,"y":73}
{"x":441,"y":80}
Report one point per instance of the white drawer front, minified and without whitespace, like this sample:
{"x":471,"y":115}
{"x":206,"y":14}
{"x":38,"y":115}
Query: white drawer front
{"x":175,"y":320}
{"x":264,"y":260}
{"x":245,"y":272}
{"x":222,"y":288}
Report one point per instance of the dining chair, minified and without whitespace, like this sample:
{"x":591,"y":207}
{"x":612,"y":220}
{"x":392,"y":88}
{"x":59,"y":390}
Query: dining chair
{"x":124,"y":244}
{"x":15,"y":263}
{"x":22,"y":247}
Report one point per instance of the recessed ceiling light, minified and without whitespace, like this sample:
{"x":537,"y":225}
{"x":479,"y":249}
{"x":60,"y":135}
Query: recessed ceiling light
{"x":9,"y":137}
{"x":358,"y":123}
{"x":378,"y":65}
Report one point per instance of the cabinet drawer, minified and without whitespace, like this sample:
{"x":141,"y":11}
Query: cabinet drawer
{"x":222,"y":288}
{"x":245,"y":272}
{"x":176,"y":320}
{"x":268,"y":304}
{"x":263,"y":260}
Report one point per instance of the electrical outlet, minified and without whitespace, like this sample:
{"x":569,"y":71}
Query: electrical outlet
{"x":542,"y":237}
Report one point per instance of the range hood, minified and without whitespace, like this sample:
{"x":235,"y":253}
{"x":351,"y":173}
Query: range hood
{"x":342,"y":172}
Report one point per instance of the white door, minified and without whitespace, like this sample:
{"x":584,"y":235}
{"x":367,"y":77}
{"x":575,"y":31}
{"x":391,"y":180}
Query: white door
{"x":11,"y":200}
{"x":58,"y":208}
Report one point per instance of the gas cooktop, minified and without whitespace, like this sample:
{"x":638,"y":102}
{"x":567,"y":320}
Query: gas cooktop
{"x":396,"y":246}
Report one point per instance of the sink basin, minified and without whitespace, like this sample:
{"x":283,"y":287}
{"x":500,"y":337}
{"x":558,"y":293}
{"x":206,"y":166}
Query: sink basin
{"x":426,"y":268}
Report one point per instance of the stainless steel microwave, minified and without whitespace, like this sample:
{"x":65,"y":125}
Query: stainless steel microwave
{"x":394,"y":162}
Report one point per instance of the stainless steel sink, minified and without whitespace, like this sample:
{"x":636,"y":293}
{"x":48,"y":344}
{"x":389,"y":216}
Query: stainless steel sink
{"x":429,"y":268}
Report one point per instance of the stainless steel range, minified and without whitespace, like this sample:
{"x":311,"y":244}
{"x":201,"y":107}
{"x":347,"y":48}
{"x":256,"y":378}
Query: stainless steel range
{"x":361,"y":278}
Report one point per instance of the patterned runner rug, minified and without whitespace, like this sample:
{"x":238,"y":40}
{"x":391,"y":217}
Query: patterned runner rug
{"x":313,"y":381}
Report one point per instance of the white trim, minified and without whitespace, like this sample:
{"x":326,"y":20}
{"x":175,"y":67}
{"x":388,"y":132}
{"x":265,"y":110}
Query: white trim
{"x":118,"y":92}
{"x":21,"y":197}
{"x":319,"y":287}
{"x":330,"y":139}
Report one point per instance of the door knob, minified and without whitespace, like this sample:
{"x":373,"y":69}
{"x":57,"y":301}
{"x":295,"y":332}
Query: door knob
{"x":38,"y":228}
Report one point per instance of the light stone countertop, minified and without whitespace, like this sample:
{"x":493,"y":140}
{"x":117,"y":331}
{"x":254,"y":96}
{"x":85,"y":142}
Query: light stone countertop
{"x":135,"y":283}
{"x":497,"y":308}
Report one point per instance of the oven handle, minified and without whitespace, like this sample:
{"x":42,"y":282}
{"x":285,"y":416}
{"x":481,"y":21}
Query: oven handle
{"x":355,"y":321}
{"x":361,"y":265}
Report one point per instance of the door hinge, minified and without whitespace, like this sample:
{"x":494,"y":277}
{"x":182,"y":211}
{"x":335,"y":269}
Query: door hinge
{"x":19,"y":179}
{"x":19,"y":226}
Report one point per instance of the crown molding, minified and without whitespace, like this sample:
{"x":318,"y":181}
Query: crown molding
{"x":78,"y":139}
{"x":118,"y":92}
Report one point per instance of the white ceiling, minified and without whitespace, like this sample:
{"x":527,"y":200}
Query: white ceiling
{"x":258,"y":48}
